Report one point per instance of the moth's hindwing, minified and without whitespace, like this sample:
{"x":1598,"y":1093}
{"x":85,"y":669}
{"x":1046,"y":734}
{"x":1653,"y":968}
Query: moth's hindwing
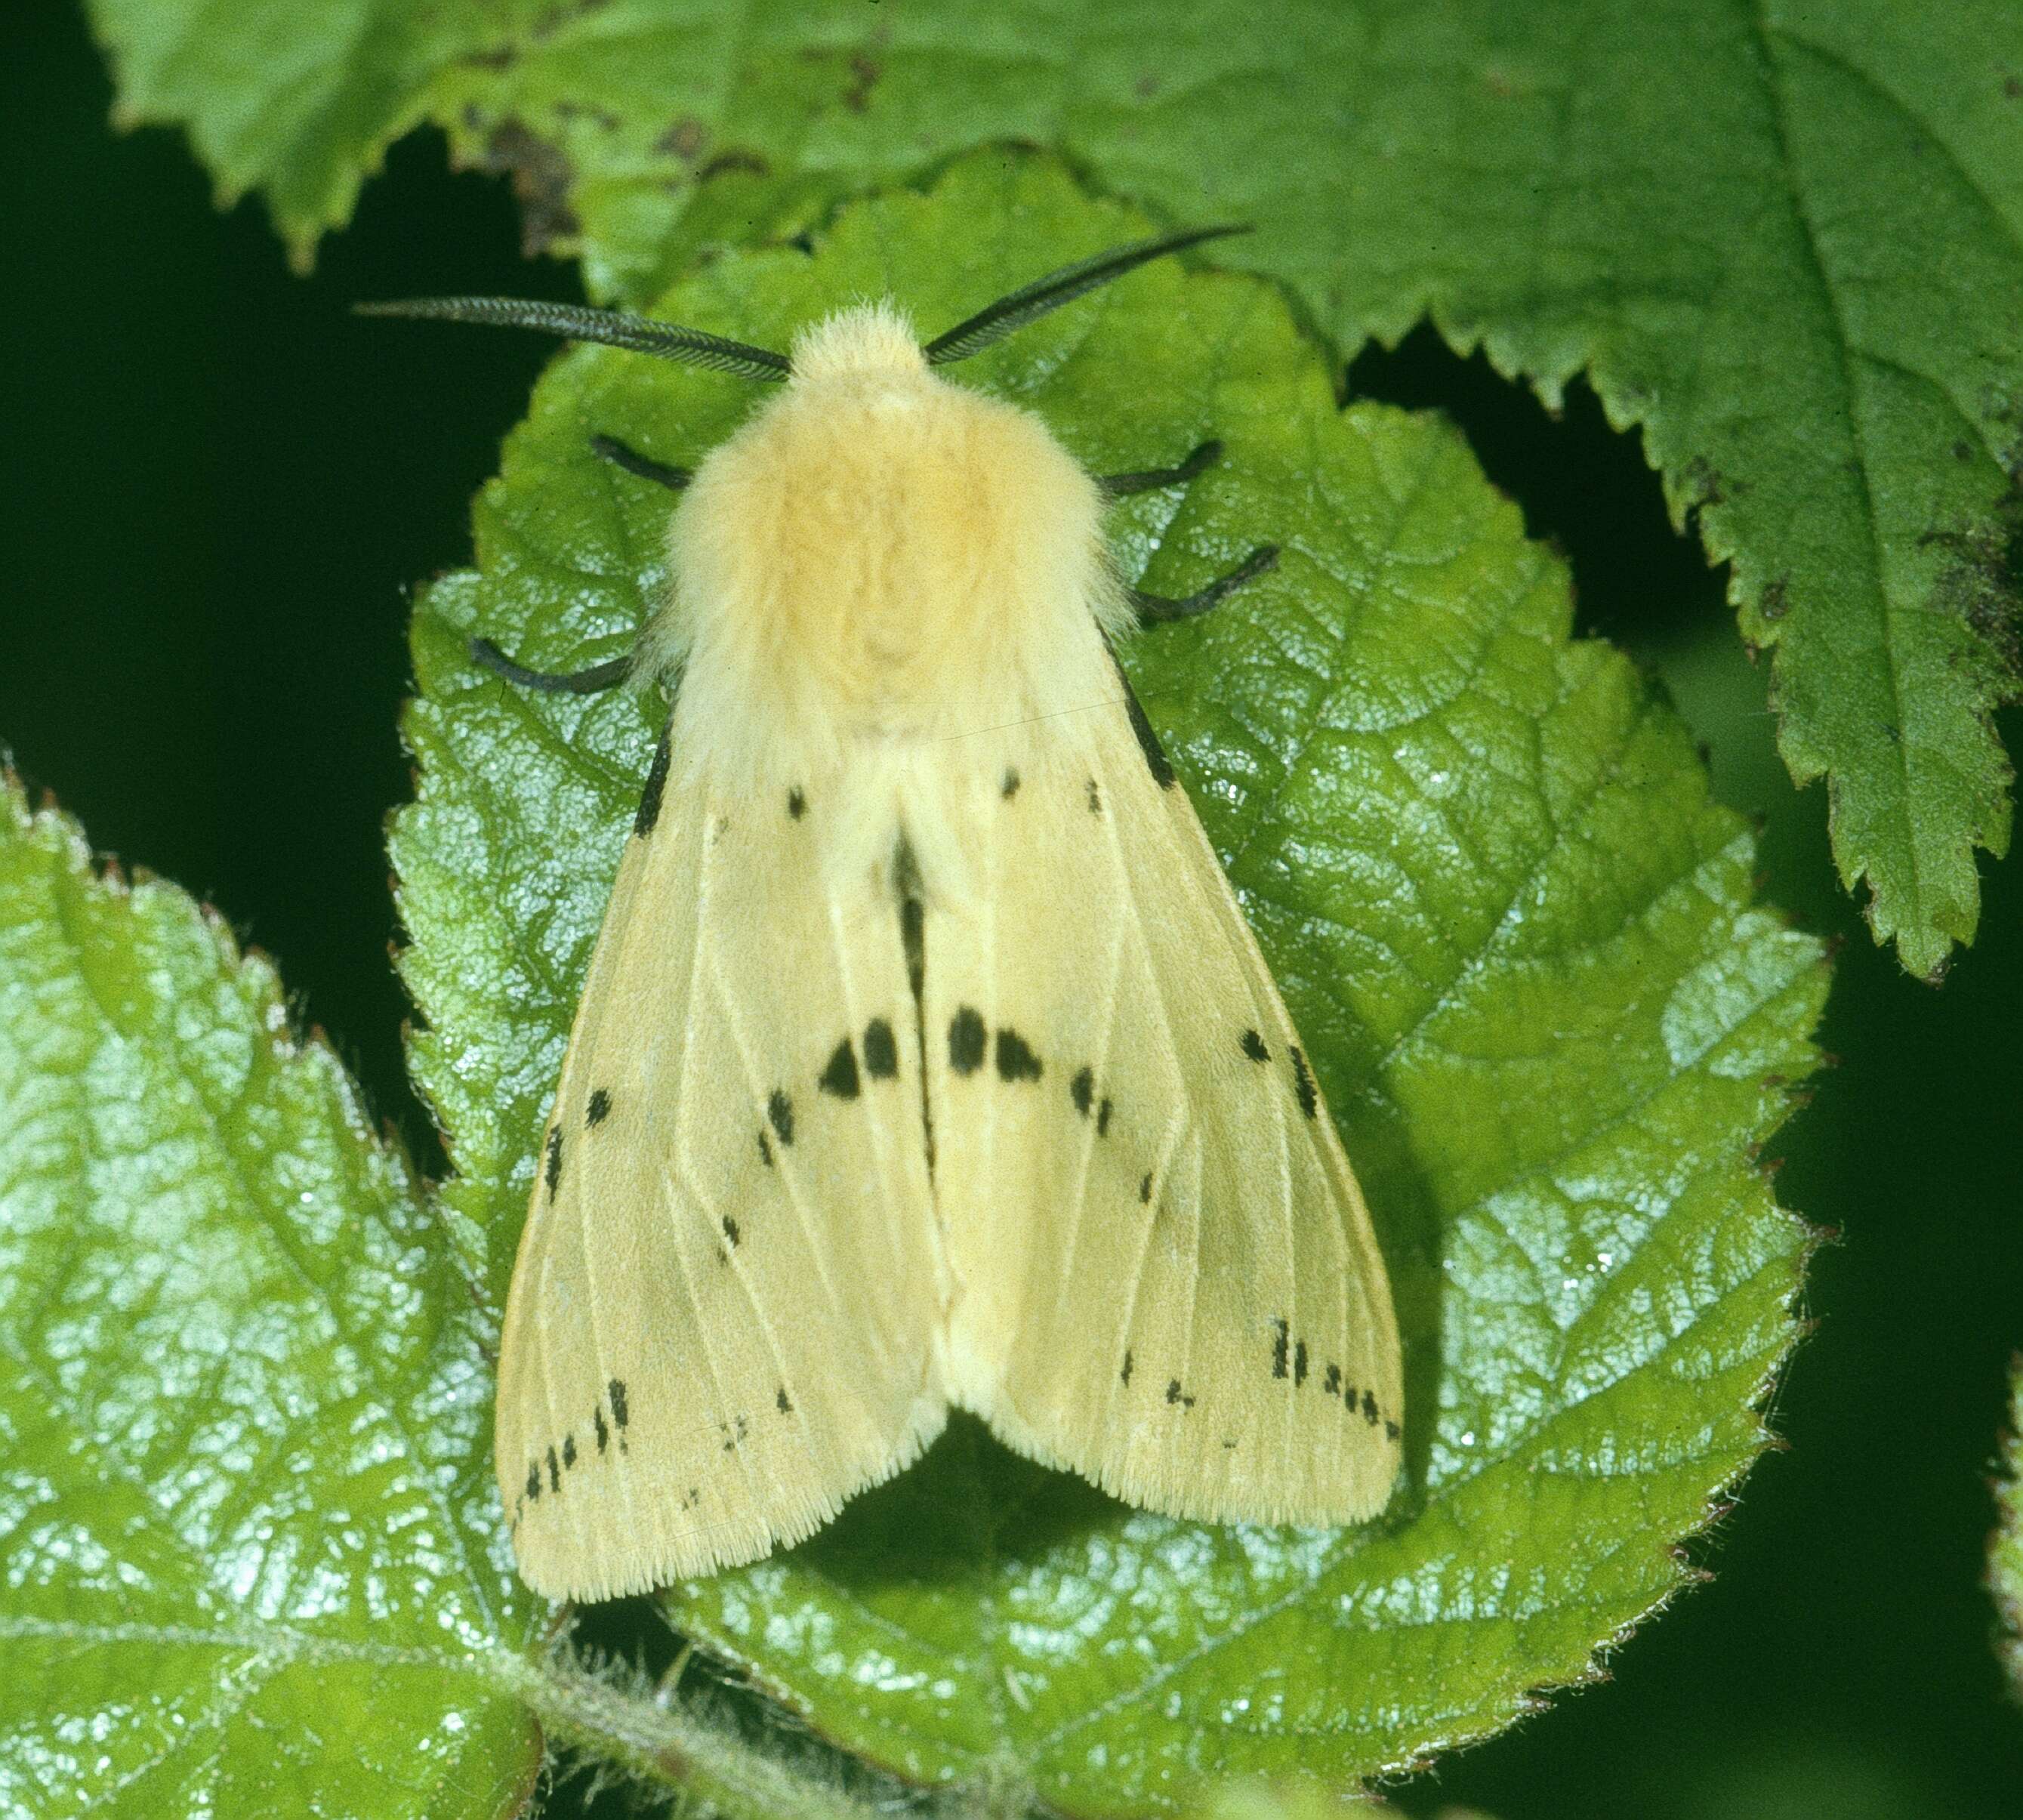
{"x":722,"y":1318}
{"x":1169,"y":1281}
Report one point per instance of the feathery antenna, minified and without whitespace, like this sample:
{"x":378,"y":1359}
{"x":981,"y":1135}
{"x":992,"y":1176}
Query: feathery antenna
{"x":574,"y":322}
{"x":1032,"y":301}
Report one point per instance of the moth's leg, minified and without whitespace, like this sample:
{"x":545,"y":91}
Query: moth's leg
{"x":1157,"y":609}
{"x":606,"y":676}
{"x":1117,"y":486}
{"x":599,"y":677}
{"x":623,"y":455}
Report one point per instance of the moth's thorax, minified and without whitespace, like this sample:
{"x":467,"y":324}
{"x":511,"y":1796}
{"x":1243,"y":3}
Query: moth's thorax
{"x":879,"y":557}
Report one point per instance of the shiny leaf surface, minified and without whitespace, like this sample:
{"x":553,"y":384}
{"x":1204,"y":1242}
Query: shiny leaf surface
{"x":249,"y":1559}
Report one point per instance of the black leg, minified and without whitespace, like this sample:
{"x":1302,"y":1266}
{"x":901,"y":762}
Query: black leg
{"x":622,"y":455}
{"x":1157,"y":609}
{"x":1117,"y":486}
{"x":606,"y":676}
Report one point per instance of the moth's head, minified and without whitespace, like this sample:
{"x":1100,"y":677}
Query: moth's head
{"x":866,"y":341}
{"x":874,"y":538}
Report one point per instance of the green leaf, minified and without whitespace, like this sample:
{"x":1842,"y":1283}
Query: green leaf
{"x":298,"y":99}
{"x":2005,"y":1574}
{"x":251,"y":1558}
{"x":1786,"y":241}
{"x":1482,"y":860}
{"x":250,"y":1561}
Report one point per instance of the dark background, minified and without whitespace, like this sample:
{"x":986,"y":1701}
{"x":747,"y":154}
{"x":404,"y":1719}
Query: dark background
{"x":218,"y":488}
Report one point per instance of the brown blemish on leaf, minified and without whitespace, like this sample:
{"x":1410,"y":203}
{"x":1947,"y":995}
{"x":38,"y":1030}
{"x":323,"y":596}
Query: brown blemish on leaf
{"x":1982,"y":583}
{"x":1706,"y":486}
{"x":541,"y":177}
{"x":684,"y":139}
{"x":1982,"y":580}
{"x":502,"y":58}
{"x":1146,"y":87}
{"x":1773,"y":606}
{"x":864,"y":71}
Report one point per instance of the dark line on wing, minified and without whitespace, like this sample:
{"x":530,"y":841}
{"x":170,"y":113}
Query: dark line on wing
{"x":913,"y":938}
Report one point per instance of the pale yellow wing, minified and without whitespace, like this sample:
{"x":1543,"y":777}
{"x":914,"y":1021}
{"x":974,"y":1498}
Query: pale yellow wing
{"x":1168,"y":1279}
{"x":723,"y":1317}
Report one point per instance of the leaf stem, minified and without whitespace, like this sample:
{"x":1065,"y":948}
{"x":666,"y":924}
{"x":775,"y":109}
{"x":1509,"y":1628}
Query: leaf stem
{"x":665,"y":1741}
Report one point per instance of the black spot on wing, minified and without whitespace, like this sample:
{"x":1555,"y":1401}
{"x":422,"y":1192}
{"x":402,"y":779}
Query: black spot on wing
{"x":568,"y":1452}
{"x":966,"y":1035}
{"x":1081,"y":1089}
{"x":1145,"y":1189}
{"x":780,"y":1113}
{"x":1303,"y":1082}
{"x":554,"y":1472}
{"x":1102,"y":1118}
{"x":1015,"y":1059}
{"x":1290,"y":1358}
{"x":1011,"y":785}
{"x":656,"y":785}
{"x":1095,"y":798}
{"x":797,"y":802}
{"x":839,"y":1078}
{"x":1253,"y":1047}
{"x":599,"y":1108}
{"x":1125,"y":1374}
{"x":765,"y":1147}
{"x":1156,"y":761}
{"x":615,"y":1391}
{"x":554,"y":1170}
{"x":534,"y":1481}
{"x":1176,"y":1394}
{"x":603,"y":1428}
{"x":782,"y":1402}
{"x":881,"y":1053}
{"x":730,"y":1231}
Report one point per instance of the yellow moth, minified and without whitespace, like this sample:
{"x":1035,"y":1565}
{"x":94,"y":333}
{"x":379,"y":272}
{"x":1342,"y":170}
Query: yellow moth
{"x":926,"y":1059}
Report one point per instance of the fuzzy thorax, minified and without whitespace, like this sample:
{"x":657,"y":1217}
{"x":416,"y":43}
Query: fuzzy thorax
{"x":879,"y":562}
